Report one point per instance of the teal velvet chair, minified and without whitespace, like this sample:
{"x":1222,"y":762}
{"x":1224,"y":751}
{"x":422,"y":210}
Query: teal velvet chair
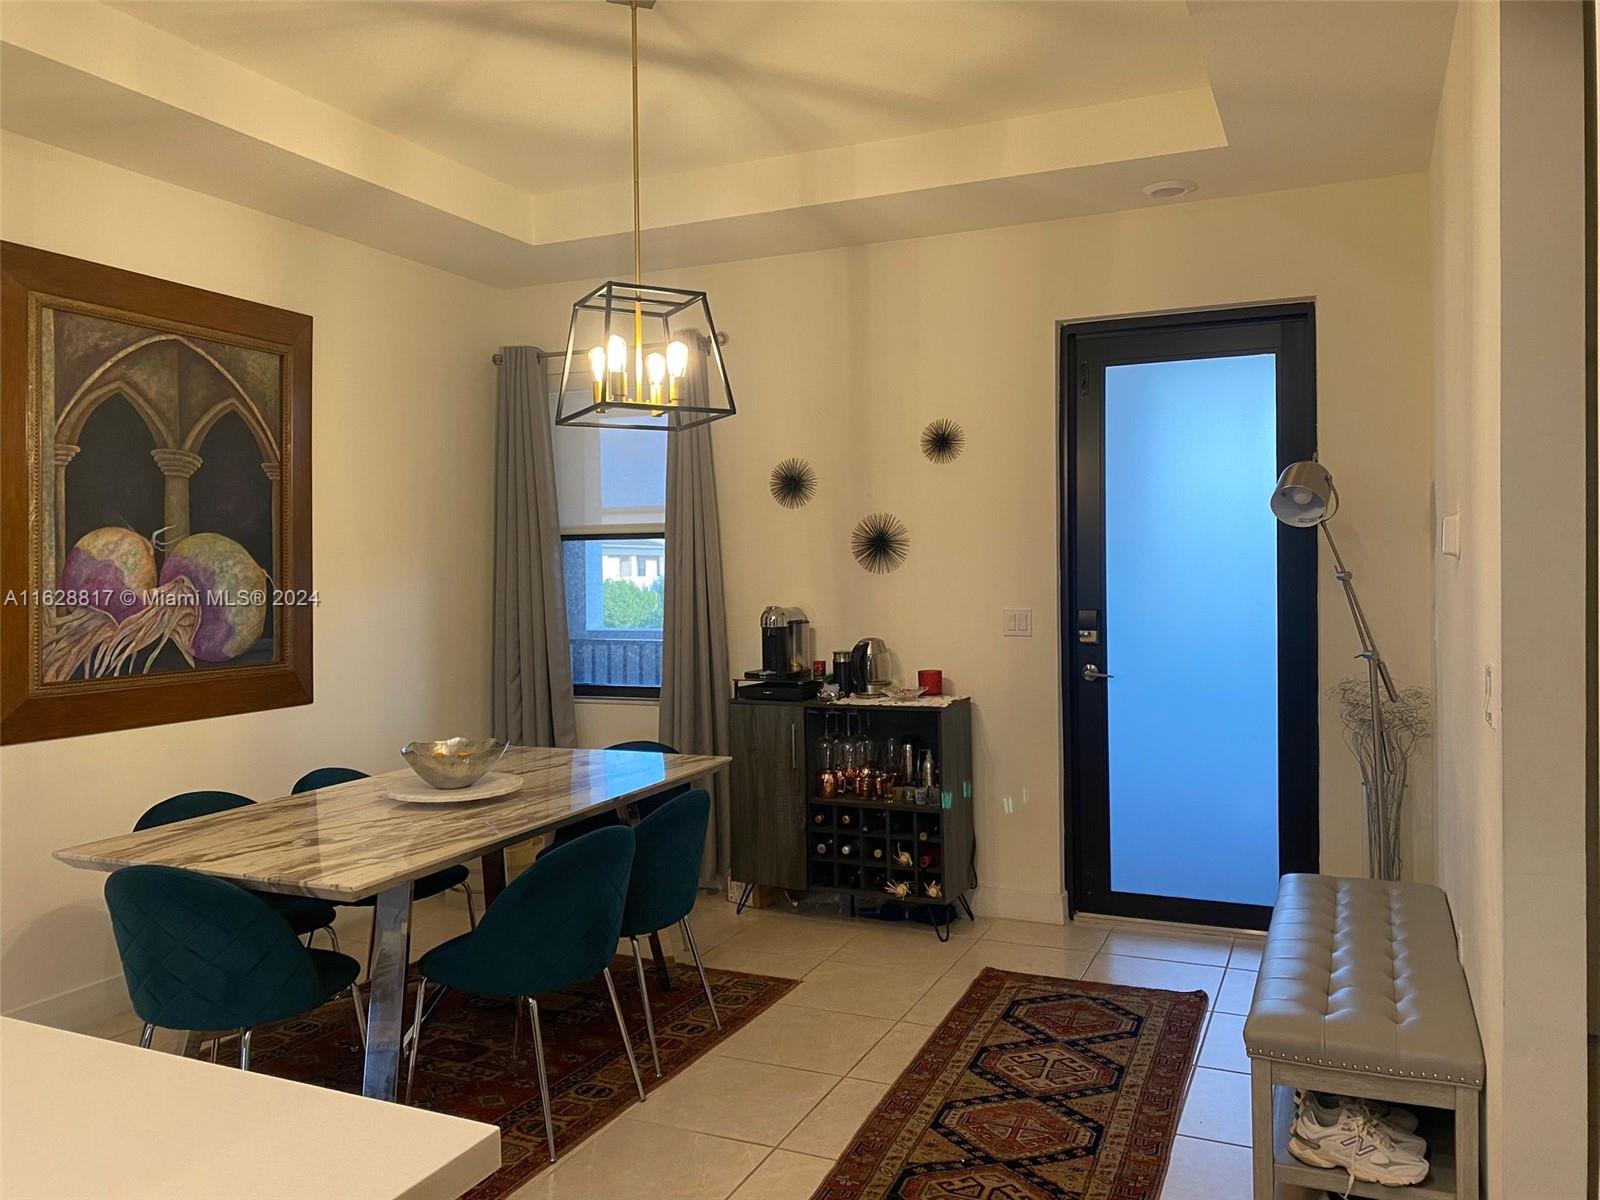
{"x":428,"y":885}
{"x":555,"y":925}
{"x":305,"y":914}
{"x":203,"y":954}
{"x":668,"y":846}
{"x":569,"y":833}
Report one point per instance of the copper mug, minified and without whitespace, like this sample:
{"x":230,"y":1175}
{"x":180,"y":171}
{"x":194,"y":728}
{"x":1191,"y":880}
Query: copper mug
{"x":828,"y":784}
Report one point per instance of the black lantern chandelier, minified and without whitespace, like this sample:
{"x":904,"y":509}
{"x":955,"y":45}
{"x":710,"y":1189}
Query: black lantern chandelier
{"x":642,"y":356}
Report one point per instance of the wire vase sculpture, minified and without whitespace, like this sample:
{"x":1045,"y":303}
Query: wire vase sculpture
{"x":1407,"y":722}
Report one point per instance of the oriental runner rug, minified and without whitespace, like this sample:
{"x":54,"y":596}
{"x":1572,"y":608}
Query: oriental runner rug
{"x":475,"y":1062}
{"x":1033,"y":1088}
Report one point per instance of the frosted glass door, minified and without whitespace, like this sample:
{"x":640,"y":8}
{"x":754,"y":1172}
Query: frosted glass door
{"x":1191,"y":628}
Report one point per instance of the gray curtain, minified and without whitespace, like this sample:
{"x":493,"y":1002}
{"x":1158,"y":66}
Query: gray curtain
{"x":531,"y":673}
{"x":694,"y":638}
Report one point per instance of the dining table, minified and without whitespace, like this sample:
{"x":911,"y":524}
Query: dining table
{"x":352,"y":842}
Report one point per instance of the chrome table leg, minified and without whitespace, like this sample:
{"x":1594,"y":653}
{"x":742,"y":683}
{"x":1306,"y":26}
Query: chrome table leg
{"x":391,"y":918}
{"x":244,"y":1049}
{"x":149,"y":1032}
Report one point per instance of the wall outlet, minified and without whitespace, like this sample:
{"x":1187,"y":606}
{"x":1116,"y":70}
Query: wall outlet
{"x":1019,"y":622}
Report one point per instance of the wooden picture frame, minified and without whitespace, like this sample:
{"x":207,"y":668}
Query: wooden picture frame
{"x":131,"y":597}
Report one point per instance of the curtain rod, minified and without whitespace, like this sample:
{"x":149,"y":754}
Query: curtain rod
{"x":497,"y":358}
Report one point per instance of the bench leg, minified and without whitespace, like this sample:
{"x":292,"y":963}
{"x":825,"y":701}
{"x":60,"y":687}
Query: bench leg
{"x":1261,"y":1127}
{"x":1467,"y":1144}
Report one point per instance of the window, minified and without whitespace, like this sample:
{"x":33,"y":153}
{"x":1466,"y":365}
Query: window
{"x":611,"y":488}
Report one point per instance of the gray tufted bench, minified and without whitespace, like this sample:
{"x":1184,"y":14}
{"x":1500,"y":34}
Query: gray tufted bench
{"x":1360,"y":993}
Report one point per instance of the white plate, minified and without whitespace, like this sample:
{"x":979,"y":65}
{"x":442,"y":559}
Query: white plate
{"x":495,"y":783}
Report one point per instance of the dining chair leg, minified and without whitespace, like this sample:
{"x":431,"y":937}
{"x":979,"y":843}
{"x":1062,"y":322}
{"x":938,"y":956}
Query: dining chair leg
{"x":146,"y":1034}
{"x":216,"y":1044}
{"x":416,"y":1037}
{"x":333,"y":938}
{"x":516,"y":1026}
{"x":688,"y":937}
{"x":544,"y":1082}
{"x":644,"y":999}
{"x":361,"y":1015}
{"x":472,"y":910}
{"x":627,"y":1042}
{"x":244,"y":1049}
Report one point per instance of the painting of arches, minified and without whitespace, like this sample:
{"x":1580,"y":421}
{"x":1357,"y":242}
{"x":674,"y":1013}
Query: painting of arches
{"x":169,"y":525}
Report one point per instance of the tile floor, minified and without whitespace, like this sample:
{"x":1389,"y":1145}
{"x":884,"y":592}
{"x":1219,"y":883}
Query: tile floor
{"x":764,"y":1115}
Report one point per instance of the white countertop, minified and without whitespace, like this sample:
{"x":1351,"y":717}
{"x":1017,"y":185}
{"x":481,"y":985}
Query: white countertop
{"x":82,"y":1118}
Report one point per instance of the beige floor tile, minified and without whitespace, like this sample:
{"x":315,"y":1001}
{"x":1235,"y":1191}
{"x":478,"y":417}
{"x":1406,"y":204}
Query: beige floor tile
{"x":1246,"y":954}
{"x":754,"y":962}
{"x":785,"y":1175}
{"x":1237,"y":988}
{"x":1012,"y":956}
{"x":754,"y":1102}
{"x":1223,"y":1048}
{"x":117,"y":1026}
{"x":1155,"y":973}
{"x":807,"y":1038}
{"x":1074,"y":935}
{"x":1174,"y":947}
{"x":795,"y":937}
{"x":1218,"y":1107}
{"x":870,"y":991}
{"x":937,"y":1001}
{"x":1207,"y":1171}
{"x":828,"y":1128}
{"x":893,"y":1053}
{"x":906,"y":948}
{"x":632,"y":1158}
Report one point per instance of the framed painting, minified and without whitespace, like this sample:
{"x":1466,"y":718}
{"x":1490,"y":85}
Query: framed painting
{"x":155,"y":501}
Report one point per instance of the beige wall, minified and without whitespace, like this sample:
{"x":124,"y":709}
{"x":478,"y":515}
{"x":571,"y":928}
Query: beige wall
{"x":841,"y":356}
{"x":402,"y":434}
{"x":1507,"y":185}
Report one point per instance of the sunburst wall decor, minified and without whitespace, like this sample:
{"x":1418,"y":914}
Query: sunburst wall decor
{"x":880,"y":542}
{"x":943,"y":441}
{"x":793,"y":483}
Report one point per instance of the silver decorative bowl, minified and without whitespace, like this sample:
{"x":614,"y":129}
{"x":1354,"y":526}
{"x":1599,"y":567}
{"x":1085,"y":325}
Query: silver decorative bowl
{"x":456,"y":762}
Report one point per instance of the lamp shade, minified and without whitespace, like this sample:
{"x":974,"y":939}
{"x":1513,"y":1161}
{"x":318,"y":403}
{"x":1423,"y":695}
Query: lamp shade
{"x":1303,"y":494}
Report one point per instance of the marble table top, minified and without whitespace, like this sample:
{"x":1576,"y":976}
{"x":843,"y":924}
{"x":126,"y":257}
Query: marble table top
{"x":350,"y":841}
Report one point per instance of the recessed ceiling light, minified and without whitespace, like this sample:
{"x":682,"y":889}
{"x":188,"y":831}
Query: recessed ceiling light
{"x":1166,"y":189}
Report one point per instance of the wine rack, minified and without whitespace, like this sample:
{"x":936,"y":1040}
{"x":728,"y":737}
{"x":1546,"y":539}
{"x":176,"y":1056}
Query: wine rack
{"x":862,"y":845}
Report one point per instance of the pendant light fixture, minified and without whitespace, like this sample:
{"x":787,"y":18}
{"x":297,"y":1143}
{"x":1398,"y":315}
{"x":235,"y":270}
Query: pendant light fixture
{"x":642,"y":356}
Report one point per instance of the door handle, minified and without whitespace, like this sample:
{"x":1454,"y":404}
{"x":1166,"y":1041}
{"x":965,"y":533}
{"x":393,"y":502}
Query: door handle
{"x":1091,"y":673}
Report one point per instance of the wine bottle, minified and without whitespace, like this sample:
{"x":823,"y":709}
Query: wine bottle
{"x":877,"y":853}
{"x":819,"y":818}
{"x":930,"y":858}
{"x":824,"y":848}
{"x":846,"y":820}
{"x":846,"y":849}
{"x":922,"y":835}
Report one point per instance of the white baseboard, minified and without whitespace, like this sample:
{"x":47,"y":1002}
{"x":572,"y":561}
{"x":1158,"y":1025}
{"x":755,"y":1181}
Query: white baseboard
{"x":1047,"y":908}
{"x":80,"y":1009}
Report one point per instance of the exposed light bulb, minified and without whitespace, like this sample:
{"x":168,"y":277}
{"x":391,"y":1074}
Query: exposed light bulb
{"x":656,"y":368}
{"x":1300,"y":495}
{"x":616,"y":353}
{"x":677,"y":359}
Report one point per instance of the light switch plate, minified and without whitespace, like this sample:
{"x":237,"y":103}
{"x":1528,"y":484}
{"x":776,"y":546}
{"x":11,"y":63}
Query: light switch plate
{"x":1019,"y":622}
{"x":1450,"y":535}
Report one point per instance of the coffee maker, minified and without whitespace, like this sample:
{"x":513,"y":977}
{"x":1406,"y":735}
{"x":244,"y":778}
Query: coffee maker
{"x":785,"y":673}
{"x":783,"y":643}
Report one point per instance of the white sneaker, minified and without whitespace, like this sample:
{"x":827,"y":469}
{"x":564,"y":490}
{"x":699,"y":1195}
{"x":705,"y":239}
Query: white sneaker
{"x":1356,"y":1144}
{"x":1400,"y":1123}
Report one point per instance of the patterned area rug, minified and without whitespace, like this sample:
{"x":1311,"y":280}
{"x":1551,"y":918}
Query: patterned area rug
{"x":467,"y":1067}
{"x":1033,"y":1088}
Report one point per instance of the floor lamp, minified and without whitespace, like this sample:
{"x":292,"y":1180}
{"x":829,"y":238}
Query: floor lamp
{"x":1305,"y":496}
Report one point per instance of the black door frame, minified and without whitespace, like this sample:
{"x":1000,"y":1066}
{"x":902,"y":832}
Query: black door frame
{"x":1085,"y":349}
